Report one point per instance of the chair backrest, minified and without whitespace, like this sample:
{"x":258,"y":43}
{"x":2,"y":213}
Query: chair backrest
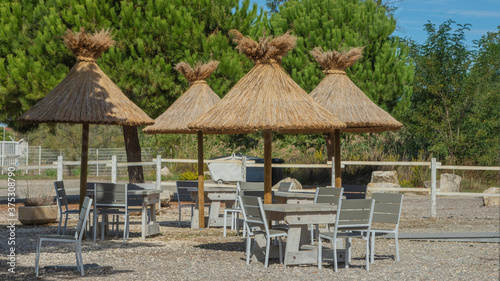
{"x":62,"y":200}
{"x":328,"y":195}
{"x":355,"y":214}
{"x":355,"y":191}
{"x":82,"y":219}
{"x":253,"y":212}
{"x":110,"y":195}
{"x":252,"y":188}
{"x":387,"y":208}
{"x":182,"y":190}
{"x":285,"y":186}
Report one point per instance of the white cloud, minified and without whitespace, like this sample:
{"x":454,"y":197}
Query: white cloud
{"x":475,"y":13}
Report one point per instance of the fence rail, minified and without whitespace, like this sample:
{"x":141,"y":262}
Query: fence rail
{"x":113,"y":165}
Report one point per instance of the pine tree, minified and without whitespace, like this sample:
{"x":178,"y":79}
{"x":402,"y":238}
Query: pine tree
{"x":384,"y":73}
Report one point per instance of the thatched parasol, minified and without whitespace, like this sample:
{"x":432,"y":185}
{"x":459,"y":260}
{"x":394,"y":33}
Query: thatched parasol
{"x":195,"y":101}
{"x":266,"y":99}
{"x":86,"y":95}
{"x":338,"y":94}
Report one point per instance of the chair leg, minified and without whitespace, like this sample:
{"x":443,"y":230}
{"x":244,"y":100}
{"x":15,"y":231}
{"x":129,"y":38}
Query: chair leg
{"x":335,"y":261}
{"x":94,"y":226}
{"x":312,"y":233}
{"x":281,"y":253}
{"x":180,"y":210}
{"x":102,"y":226}
{"x":249,"y":241}
{"x":320,"y":253}
{"x":225,"y":224}
{"x":77,"y":257}
{"x":37,"y":259}
{"x":396,"y":238}
{"x":80,"y":258}
{"x":372,"y":247}
{"x":268,"y":246}
{"x":368,"y":251}
{"x":347,"y":255}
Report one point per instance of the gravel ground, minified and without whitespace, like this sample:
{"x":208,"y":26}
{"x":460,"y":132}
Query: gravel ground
{"x":185,"y":254}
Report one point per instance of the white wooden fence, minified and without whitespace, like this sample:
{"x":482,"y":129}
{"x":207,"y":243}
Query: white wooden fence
{"x":433,"y":164}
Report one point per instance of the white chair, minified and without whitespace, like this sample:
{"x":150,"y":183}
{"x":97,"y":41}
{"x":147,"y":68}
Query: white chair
{"x":256,"y":223}
{"x":331,"y":195}
{"x":387,"y":212}
{"x":110,"y":199}
{"x":62,"y":200}
{"x":354,"y":218}
{"x":184,"y":197}
{"x":75,"y":239}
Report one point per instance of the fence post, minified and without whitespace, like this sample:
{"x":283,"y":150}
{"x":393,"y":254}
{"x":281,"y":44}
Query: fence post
{"x":97,"y":165}
{"x":60,"y":169}
{"x":158,"y":171}
{"x":333,"y":171}
{"x":244,"y":168}
{"x":39,"y":159}
{"x":433,"y":187}
{"x":114,"y":168}
{"x":27,"y":158}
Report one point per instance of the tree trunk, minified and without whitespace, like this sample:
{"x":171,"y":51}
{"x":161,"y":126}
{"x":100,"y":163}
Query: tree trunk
{"x":329,"y":145}
{"x":133,"y":148}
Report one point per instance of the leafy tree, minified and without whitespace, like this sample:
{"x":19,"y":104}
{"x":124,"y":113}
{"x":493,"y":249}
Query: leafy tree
{"x":454,"y":112}
{"x":152,"y":36}
{"x":384,"y":73}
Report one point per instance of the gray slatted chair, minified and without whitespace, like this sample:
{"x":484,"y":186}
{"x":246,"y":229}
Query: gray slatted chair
{"x":354,"y":218}
{"x":331,"y":195}
{"x":252,"y":189}
{"x":184,"y":197}
{"x":235,"y":211}
{"x":76,"y":238}
{"x":256,"y":223}
{"x":387,"y":212}
{"x":62,"y":201}
{"x":110,"y":199}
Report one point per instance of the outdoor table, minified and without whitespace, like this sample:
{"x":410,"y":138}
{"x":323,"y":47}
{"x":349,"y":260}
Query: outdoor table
{"x":298,"y":217}
{"x":294,"y":197}
{"x":216,"y":195}
{"x":150,"y":197}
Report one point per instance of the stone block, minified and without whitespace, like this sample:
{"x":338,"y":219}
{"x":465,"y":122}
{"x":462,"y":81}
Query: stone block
{"x":491,"y":201}
{"x":451,"y":183}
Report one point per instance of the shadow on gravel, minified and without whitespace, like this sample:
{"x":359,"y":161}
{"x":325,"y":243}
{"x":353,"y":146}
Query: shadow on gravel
{"x":65,"y":272}
{"x":227,"y":246}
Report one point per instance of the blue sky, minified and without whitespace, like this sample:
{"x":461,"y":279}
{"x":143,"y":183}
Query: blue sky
{"x":411,"y":15}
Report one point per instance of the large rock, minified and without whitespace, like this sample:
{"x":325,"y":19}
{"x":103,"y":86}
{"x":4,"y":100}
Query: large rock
{"x":166,"y":196}
{"x":296,"y":183}
{"x":165,"y":172}
{"x":427,"y":184}
{"x":451,"y":183}
{"x":385,"y":179}
{"x":490,"y":200}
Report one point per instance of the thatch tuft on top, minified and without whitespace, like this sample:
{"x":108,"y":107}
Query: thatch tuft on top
{"x":85,"y":46}
{"x":199,"y":72}
{"x":334,"y":60}
{"x":340,"y":96}
{"x":198,"y":99}
{"x":86,"y":95}
{"x":268,"y":49}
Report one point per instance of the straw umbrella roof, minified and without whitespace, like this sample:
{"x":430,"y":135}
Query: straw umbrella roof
{"x":339,"y":95}
{"x":266,"y":98}
{"x":198,"y":99}
{"x":86,"y":95}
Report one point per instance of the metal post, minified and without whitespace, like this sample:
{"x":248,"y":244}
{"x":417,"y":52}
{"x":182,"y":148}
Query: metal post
{"x":433,"y":187}
{"x":114,"y":168}
{"x":59,"y":168}
{"x":158,"y":171}
{"x":27,"y":157}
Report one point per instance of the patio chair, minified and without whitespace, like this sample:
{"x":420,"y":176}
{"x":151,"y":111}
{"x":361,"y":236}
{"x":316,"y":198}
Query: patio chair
{"x":256,"y":223}
{"x":110,"y":199}
{"x":76,"y":238}
{"x":62,"y":201}
{"x":235,"y":211}
{"x":331,"y":195}
{"x":354,"y":218}
{"x":387,"y":212}
{"x":252,"y":189}
{"x":184,"y":197}
{"x":355,"y":191}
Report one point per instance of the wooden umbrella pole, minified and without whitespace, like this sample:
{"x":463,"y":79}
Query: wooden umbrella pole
{"x":84,"y":163}
{"x":338,"y":178}
{"x":268,"y":185}
{"x":201,"y":188}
